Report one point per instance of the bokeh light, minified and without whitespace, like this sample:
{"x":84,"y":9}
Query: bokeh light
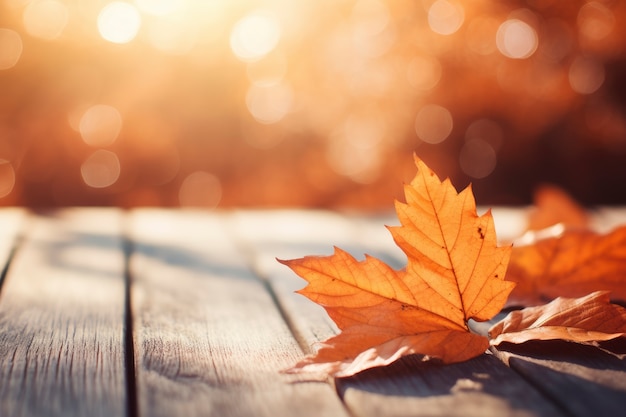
{"x":255,"y":35}
{"x":10,"y":48}
{"x":7,"y":178}
{"x":45,"y":19}
{"x":424,"y":72}
{"x":269,"y":103}
{"x":445,"y":17}
{"x":100,"y":125}
{"x":516,"y":39}
{"x":433,"y":123}
{"x":201,"y":190}
{"x":595,"y":20}
{"x":101,"y":169}
{"x":119,"y":22}
{"x":486,"y":130}
{"x":477,"y":158}
{"x":586,"y":75}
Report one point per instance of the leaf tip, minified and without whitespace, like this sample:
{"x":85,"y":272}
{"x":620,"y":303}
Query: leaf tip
{"x":283,"y":261}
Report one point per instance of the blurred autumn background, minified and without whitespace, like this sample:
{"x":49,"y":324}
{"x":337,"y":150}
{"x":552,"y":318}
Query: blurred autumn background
{"x":317,"y":103}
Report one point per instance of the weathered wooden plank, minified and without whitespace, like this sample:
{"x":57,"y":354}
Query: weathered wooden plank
{"x":482,"y":387}
{"x":209,"y":339}
{"x":583,"y":380}
{"x":62,"y":318}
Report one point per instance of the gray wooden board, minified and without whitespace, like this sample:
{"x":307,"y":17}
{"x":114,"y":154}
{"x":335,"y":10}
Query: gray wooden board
{"x":209,"y":339}
{"x":62,"y":318}
{"x":584,"y":380}
{"x":480,"y":387}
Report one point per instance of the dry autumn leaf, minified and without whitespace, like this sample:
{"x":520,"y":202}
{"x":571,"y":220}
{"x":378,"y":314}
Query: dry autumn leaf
{"x":553,"y":205}
{"x":585,"y":319}
{"x":455,"y":272}
{"x":571,"y":264}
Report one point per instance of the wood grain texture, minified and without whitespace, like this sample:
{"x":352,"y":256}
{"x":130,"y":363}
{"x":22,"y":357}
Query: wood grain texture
{"x":62,"y":317}
{"x":209,"y":339}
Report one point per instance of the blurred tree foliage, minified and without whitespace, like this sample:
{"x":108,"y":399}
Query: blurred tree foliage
{"x":324,"y":108}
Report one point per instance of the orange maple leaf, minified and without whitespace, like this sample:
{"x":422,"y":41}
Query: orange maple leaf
{"x":571,"y":264}
{"x":585,"y":319}
{"x":455,"y":272}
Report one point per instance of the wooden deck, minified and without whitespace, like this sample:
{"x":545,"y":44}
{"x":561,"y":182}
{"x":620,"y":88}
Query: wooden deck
{"x":150,"y":312}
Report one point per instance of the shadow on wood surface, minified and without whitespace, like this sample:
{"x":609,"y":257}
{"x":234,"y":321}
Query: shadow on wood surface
{"x":573,"y":375}
{"x":473,"y":388}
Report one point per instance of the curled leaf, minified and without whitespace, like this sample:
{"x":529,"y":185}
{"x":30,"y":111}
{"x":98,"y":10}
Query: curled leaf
{"x":585,"y":319}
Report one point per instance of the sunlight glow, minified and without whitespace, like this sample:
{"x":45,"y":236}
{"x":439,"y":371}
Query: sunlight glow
{"x":119,"y":22}
{"x":161,"y":100}
{"x":255,"y":35}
